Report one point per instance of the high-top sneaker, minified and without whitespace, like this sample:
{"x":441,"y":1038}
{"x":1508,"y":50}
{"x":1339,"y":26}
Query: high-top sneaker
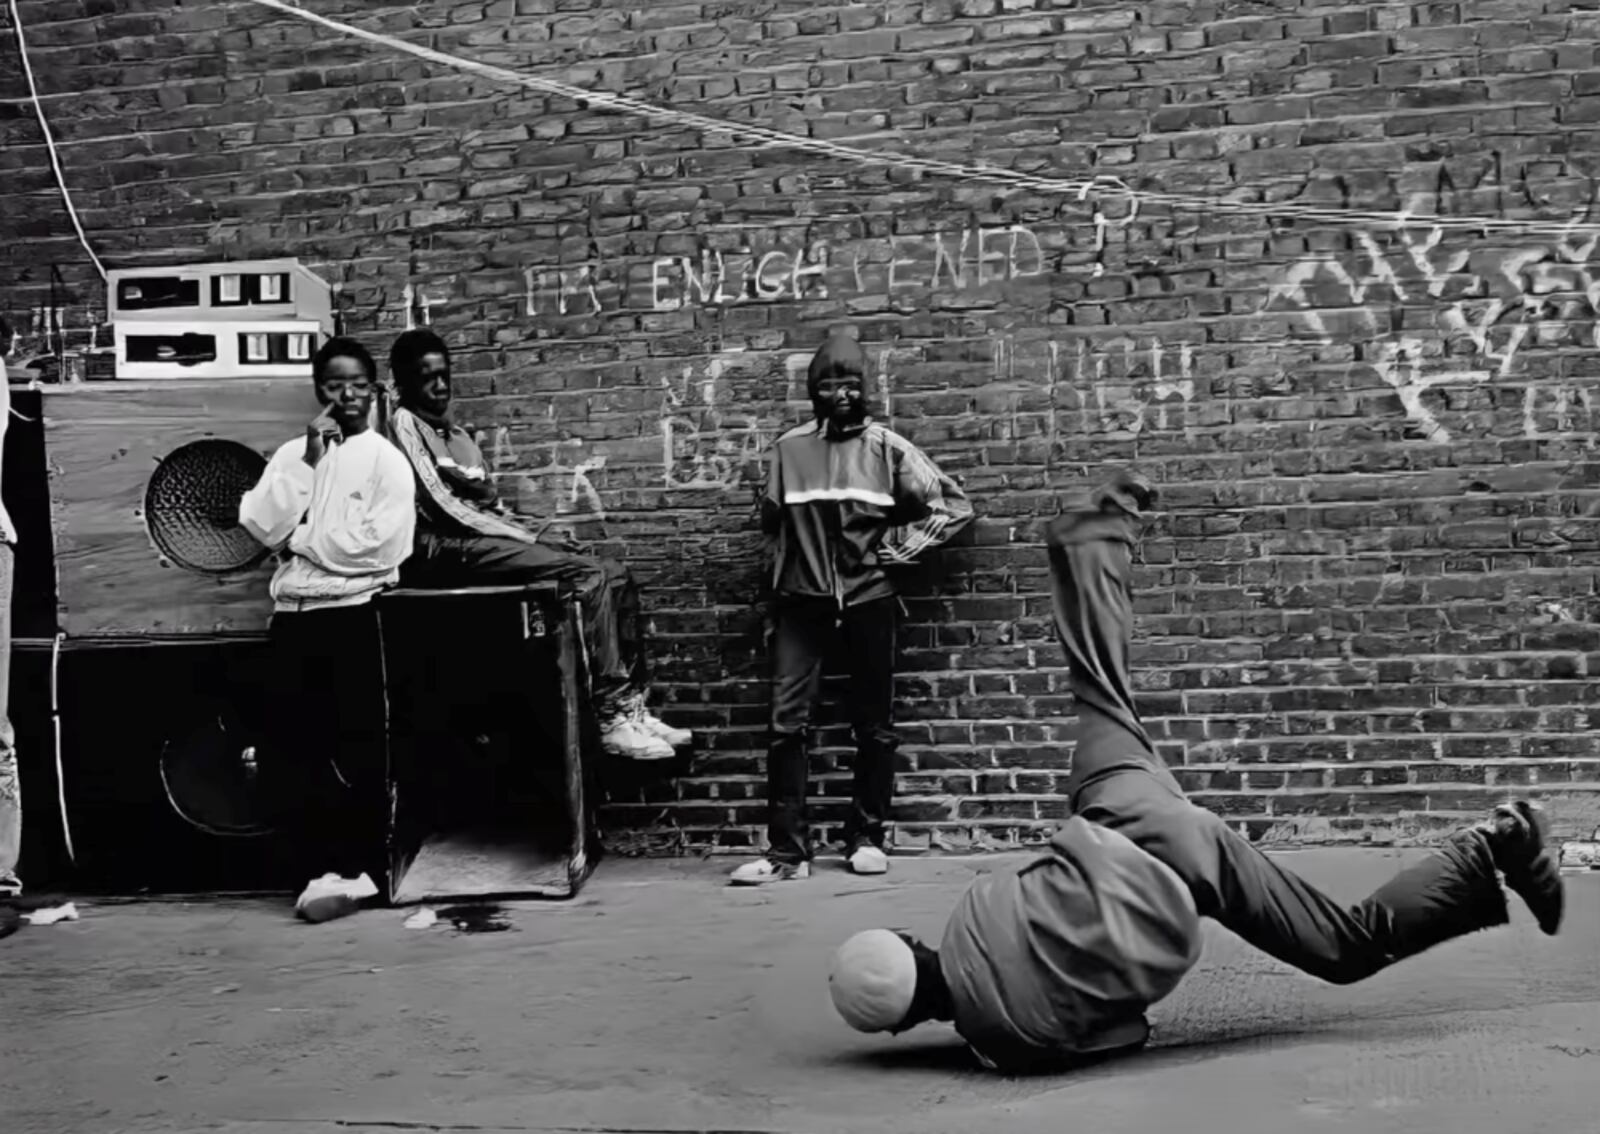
{"x":1517,"y":837}
{"x":621,"y":735}
{"x":652,"y":725}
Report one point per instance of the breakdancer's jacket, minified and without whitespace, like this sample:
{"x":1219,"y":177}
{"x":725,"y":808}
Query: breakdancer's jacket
{"x":1061,"y":956}
{"x":846,"y":505}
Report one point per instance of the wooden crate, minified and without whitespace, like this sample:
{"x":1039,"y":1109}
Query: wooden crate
{"x":102,"y":443}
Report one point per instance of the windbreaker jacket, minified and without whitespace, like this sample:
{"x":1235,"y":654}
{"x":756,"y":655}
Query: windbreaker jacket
{"x":430,"y":448}
{"x":342,"y":529}
{"x":1062,"y":955}
{"x":843,"y":508}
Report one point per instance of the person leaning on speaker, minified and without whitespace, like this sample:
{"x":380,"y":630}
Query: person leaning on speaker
{"x":467,"y":537}
{"x":339,"y":506}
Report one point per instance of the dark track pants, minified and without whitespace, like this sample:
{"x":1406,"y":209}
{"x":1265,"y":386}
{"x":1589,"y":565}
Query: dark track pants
{"x":1119,"y":781}
{"x":806,"y":628}
{"x":607,"y":597}
{"x":324,"y":773}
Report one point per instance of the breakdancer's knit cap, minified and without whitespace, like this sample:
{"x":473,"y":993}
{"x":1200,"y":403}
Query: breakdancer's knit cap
{"x":872,"y":980}
{"x":1064,"y":953}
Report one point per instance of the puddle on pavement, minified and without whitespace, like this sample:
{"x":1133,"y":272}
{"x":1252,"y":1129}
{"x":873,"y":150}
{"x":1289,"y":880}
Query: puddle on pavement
{"x":485,"y":918}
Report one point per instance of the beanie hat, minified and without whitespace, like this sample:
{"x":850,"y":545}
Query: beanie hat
{"x":872,"y":980}
{"x":840,"y":352}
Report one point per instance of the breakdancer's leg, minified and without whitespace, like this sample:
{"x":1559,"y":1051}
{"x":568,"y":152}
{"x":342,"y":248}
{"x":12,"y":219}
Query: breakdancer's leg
{"x":1117,"y":780}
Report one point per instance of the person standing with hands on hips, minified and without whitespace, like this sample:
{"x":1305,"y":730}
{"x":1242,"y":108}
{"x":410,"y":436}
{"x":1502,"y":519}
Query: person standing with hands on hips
{"x":845,"y":501}
{"x":339,"y":506}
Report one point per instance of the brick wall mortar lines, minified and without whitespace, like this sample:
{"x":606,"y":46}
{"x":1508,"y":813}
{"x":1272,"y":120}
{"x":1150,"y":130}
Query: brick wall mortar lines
{"x":1370,"y":609}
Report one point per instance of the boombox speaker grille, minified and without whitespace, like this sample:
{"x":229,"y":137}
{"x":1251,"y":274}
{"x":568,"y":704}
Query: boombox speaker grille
{"x":191,"y":506}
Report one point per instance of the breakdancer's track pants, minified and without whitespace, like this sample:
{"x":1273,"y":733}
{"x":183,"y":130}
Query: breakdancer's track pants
{"x":1119,"y":781}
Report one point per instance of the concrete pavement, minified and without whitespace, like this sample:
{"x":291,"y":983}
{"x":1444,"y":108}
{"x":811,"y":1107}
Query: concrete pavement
{"x":661,"y":1000}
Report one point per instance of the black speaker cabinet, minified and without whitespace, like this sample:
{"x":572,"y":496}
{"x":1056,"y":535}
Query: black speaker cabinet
{"x":488,"y":782}
{"x":156,"y":787}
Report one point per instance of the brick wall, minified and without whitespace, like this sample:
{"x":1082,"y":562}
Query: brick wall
{"x":1371,"y":606}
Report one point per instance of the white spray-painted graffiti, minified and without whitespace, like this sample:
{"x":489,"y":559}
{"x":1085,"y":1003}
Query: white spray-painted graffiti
{"x":719,"y":414}
{"x":702,"y":445}
{"x":34,"y":332}
{"x":956,"y":260}
{"x":1438,"y":309}
{"x":1132,"y":382}
{"x":559,"y":488}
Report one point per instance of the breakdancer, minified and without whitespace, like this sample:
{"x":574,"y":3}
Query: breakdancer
{"x":1058,"y":959}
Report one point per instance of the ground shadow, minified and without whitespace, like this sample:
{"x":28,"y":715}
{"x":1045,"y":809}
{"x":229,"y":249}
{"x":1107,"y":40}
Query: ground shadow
{"x":1170,"y":1047}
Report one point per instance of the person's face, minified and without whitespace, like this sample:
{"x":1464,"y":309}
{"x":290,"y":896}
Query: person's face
{"x":841,"y":397}
{"x":429,"y":388}
{"x":346,"y":389}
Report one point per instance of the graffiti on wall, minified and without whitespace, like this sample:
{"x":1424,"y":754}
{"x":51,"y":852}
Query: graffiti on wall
{"x":959,"y":259}
{"x":563,"y":487}
{"x":34,"y":331}
{"x":1439,"y":304}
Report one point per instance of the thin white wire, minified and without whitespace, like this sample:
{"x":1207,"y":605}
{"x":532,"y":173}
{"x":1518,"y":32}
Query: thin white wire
{"x":49,"y":139}
{"x":767,"y":138}
{"x":55,"y":719}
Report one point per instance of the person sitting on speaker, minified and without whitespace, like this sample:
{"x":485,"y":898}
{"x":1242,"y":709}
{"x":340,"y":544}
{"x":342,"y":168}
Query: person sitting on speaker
{"x":466,"y":536}
{"x":339,"y":506}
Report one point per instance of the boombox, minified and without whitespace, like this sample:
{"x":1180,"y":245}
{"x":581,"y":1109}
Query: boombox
{"x":258,"y":318}
{"x":222,"y":291}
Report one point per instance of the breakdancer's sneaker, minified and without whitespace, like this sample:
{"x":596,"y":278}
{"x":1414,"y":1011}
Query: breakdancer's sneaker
{"x":1520,"y":851}
{"x":1128,"y":491}
{"x":764,"y":870}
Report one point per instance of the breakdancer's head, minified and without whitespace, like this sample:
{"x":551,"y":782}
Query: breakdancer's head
{"x":883,"y":981}
{"x":836,"y":384}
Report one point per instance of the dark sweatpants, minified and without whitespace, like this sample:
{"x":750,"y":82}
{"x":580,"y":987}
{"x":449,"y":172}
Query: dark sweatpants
{"x":324,"y":769}
{"x":806,"y":628}
{"x":607,"y":596}
{"x":1118,"y":780}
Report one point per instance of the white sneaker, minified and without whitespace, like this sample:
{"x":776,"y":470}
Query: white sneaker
{"x":764,"y":870}
{"x":624,"y":737}
{"x":661,"y":730}
{"x":869,"y":860}
{"x":332,"y":897}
